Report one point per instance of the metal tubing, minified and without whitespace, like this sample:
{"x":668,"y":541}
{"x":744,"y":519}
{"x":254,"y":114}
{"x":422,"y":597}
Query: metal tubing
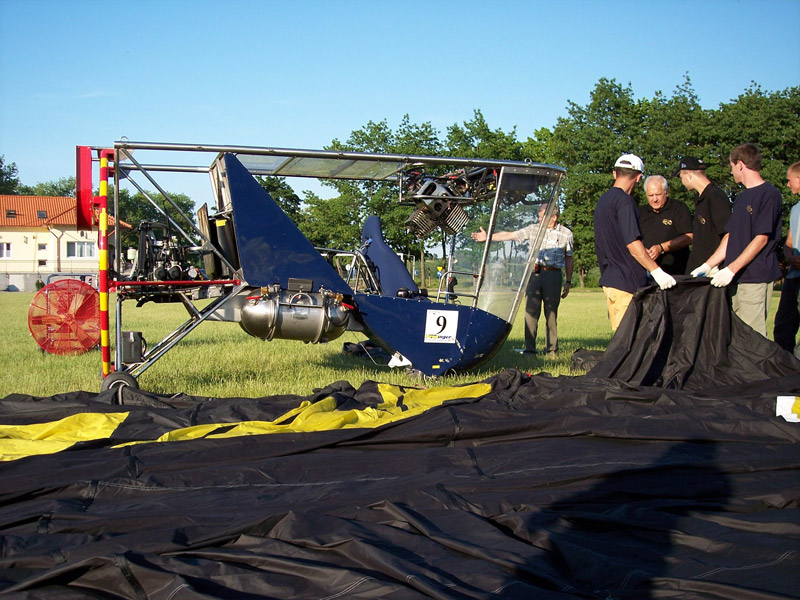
{"x":190,"y":308}
{"x":182,"y":283}
{"x":486,"y":244}
{"x":299,"y":153}
{"x":118,"y":332}
{"x":533,"y":254}
{"x":168,"y":168}
{"x":176,"y":336}
{"x":118,"y":262}
{"x":206,"y":242}
{"x":162,"y":211}
{"x":362,"y":263}
{"x":163,"y":193}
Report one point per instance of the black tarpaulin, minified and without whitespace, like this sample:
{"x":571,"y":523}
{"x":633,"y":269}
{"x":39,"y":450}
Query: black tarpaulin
{"x":544,"y":487}
{"x":529,"y":487}
{"x":688,"y":338}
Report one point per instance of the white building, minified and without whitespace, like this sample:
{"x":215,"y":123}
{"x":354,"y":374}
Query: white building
{"x":39,"y":237}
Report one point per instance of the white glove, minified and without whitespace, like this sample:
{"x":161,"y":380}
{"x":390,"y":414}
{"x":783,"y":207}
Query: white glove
{"x":723,"y":278}
{"x":701,"y":271}
{"x":663,"y":279}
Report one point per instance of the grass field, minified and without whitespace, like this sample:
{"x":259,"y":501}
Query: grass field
{"x":220,"y":360}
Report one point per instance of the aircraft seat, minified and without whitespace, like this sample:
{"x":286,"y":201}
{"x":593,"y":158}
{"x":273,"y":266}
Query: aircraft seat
{"x":390,"y":271}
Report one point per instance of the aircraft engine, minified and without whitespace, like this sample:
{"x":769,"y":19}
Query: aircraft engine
{"x":436,"y":205}
{"x":295,"y":315}
{"x":430,"y":214}
{"x":160,"y":257}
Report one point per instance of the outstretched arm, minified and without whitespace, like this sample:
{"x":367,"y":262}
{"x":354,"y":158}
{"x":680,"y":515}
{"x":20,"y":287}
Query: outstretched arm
{"x":497,"y":236}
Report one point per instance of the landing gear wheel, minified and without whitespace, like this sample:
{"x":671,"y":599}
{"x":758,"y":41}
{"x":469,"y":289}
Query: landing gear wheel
{"x":119,"y":380}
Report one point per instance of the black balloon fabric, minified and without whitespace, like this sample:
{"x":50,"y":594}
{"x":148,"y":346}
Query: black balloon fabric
{"x":631,"y":484}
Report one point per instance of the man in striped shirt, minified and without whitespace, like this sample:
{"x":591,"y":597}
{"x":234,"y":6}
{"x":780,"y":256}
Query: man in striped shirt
{"x":545,"y":283}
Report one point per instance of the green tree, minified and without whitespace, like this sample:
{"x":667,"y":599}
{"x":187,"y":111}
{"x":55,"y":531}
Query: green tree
{"x":674,"y":127}
{"x":331,"y":223}
{"x":8,"y":177}
{"x":538,"y":148}
{"x":587,"y":142}
{"x":133,"y":209}
{"x":359,"y":199}
{"x":661,"y":130}
{"x":475,"y":139}
{"x":64,"y":187}
{"x":770,"y":120}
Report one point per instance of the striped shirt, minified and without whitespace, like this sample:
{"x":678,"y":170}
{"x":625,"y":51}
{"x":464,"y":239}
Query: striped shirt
{"x":556,"y":245}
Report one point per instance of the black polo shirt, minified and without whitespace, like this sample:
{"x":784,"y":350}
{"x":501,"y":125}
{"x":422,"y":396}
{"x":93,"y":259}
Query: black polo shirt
{"x":711,"y":213}
{"x":756,"y":211}
{"x":665,"y":225}
{"x":616,"y":224}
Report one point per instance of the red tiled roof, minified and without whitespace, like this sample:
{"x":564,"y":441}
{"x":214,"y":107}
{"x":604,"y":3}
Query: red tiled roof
{"x":57,"y":211}
{"x":41,"y":211}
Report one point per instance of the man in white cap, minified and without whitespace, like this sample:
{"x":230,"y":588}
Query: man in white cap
{"x":621,"y":255}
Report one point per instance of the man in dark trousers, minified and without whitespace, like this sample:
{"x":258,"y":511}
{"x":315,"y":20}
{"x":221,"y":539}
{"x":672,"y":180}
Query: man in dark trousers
{"x":747,"y":250}
{"x":621,"y":255}
{"x":712,"y":209}
{"x":666,"y":226}
{"x":546,"y":281}
{"x":787,"y":319}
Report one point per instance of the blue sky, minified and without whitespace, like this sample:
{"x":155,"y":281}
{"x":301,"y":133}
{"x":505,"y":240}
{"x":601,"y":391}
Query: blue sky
{"x":299,"y":74}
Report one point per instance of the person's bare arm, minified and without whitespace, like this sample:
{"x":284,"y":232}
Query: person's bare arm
{"x":750,"y":251}
{"x":640,"y":255}
{"x":678,"y":243}
{"x":719,"y":254}
{"x":497,"y":236}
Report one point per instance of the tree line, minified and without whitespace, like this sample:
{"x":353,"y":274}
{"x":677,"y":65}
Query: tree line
{"x":586,"y":141}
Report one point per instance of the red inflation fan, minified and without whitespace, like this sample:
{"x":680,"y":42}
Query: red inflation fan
{"x":64,"y":317}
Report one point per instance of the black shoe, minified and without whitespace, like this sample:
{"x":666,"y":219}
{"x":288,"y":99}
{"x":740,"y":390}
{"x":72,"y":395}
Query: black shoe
{"x":527,"y":352}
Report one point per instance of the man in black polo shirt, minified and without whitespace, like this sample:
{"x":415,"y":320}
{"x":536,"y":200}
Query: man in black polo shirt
{"x":712,"y":209}
{"x":748,"y":248}
{"x":666,"y":227}
{"x":622,"y":257}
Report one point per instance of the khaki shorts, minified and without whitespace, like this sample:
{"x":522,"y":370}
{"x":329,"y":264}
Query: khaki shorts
{"x":617,"y":302}
{"x":750,"y":302}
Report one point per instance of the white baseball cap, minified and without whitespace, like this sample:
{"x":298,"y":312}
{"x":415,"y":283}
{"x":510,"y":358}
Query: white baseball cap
{"x":630,"y":161}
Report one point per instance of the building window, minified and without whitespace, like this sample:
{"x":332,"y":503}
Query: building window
{"x":11,"y":213}
{"x":5,"y":249}
{"x":42,"y":247}
{"x":80,"y":249}
{"x":41,"y":214}
{"x":42,"y":263}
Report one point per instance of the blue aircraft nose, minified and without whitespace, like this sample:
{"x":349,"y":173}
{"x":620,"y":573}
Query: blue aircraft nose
{"x":436,"y":338}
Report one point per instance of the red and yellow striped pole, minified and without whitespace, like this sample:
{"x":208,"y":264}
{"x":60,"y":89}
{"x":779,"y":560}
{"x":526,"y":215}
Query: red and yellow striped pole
{"x":105,"y":345}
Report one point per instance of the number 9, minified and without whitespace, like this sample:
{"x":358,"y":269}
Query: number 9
{"x":441,"y":321}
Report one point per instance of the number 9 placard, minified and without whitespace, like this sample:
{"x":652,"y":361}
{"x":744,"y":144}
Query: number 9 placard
{"x":441,"y":327}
